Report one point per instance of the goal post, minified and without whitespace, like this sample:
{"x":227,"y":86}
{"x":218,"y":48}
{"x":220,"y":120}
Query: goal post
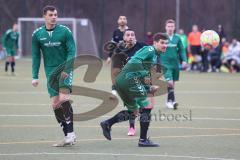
{"x":82,"y":31}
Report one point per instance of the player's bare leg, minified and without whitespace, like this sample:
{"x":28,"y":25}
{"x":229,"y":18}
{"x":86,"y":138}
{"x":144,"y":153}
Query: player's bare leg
{"x":64,"y":115}
{"x":114,"y":73}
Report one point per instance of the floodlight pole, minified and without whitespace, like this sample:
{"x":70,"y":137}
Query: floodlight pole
{"x":177,"y":15}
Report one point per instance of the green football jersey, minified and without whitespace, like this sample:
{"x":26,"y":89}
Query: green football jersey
{"x":56,"y":46}
{"x":141,"y":63}
{"x":10,"y":39}
{"x":184,"y":40}
{"x":175,"y":50}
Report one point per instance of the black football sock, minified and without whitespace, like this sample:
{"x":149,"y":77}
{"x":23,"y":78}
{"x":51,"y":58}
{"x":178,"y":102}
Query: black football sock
{"x":59,"y":114}
{"x":132,"y":121}
{"x":113,"y":87}
{"x":68,"y":113}
{"x":145,"y":118}
{"x":6,"y":66}
{"x":12,"y":66}
{"x":171,"y":96}
{"x":119,"y":117}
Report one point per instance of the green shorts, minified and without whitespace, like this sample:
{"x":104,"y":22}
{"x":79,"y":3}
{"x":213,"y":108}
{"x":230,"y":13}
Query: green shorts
{"x":54,"y":83}
{"x":171,"y":74}
{"x":10,"y":52}
{"x":132,"y":92}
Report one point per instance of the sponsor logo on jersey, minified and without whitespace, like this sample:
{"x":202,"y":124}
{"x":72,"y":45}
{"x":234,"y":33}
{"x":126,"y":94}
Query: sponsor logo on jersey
{"x":52,"y":44}
{"x":13,"y":36}
{"x":172,"y":45}
{"x":42,"y":39}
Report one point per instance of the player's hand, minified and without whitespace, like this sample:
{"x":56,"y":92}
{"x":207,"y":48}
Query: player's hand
{"x":18,"y":51}
{"x":153,"y":89}
{"x":64,"y":75}
{"x":184,"y":65}
{"x":189,"y":49}
{"x":35,"y":82}
{"x":108,"y":60}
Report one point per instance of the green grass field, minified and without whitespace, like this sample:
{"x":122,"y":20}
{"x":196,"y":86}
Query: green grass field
{"x":209,"y":101}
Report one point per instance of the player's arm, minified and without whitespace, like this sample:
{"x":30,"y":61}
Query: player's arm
{"x":71,"y":51}
{"x":182,"y":53}
{"x":181,"y":50}
{"x":71,"y":47}
{"x":36,"y":60}
{"x":16,"y":42}
{"x":114,"y":39}
{"x":4,"y":39}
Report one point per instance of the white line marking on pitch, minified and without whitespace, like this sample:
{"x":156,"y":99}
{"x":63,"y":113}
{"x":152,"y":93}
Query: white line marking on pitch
{"x":21,"y":92}
{"x":120,"y":138}
{"x":216,"y":119}
{"x":24,"y":104}
{"x":193,"y":107}
{"x":114,"y":154}
{"x":210,"y":107}
{"x":179,"y":92}
{"x":49,"y":115}
{"x":121,"y":126}
{"x":209,"y":92}
{"x":26,"y":115}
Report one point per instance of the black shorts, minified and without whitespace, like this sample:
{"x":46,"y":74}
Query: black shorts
{"x":119,"y":60}
{"x":195,"y":50}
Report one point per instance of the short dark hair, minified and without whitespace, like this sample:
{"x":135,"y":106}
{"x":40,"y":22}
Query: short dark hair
{"x":129,"y":29}
{"x":48,"y":8}
{"x":169,"y":21}
{"x":159,"y":36}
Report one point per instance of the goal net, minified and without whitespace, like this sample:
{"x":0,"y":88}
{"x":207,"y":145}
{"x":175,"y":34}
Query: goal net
{"x":82,"y":30}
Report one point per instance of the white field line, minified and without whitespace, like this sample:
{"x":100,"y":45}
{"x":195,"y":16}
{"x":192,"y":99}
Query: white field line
{"x":114,"y":154}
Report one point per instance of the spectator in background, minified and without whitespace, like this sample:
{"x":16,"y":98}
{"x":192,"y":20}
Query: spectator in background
{"x":204,"y":57}
{"x":149,"y":38}
{"x":222,"y":36}
{"x":221,"y":32}
{"x":232,"y":59}
{"x":184,"y":40}
{"x":225,"y":46}
{"x":194,"y":46}
{"x":215,"y":60}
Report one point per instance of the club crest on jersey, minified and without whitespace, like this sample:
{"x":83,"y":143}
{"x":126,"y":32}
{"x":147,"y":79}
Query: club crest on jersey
{"x":150,"y":49}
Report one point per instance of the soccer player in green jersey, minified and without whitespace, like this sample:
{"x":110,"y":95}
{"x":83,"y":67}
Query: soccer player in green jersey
{"x":10,"y":45}
{"x":170,"y":61}
{"x":55,"y":43}
{"x":131,"y":87}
